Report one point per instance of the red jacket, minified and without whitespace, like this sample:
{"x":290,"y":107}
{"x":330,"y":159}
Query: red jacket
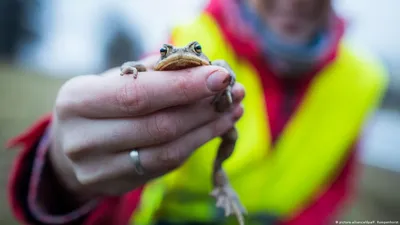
{"x":32,"y":175}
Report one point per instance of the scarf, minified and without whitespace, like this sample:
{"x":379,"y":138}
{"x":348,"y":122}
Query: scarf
{"x":287,"y":58}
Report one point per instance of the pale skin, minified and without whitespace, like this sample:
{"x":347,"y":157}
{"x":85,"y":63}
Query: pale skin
{"x":165,"y":114}
{"x":295,"y":21}
{"x":191,"y":55}
{"x":97,"y":120}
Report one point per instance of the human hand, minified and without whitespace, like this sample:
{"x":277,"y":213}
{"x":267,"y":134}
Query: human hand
{"x":165,"y":115}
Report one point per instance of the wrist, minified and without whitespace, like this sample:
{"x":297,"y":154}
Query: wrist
{"x":48,"y":199}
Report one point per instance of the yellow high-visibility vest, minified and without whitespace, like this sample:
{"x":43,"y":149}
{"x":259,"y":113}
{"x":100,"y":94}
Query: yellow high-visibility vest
{"x":304,"y":162}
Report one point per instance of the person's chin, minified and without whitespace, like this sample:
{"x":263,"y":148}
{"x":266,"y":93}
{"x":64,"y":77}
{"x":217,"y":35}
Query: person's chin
{"x":293,"y":30}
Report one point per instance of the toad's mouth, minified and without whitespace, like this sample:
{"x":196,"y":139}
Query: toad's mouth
{"x":180,"y":62}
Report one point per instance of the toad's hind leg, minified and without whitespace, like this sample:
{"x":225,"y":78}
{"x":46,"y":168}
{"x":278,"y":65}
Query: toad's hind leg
{"x":223,"y":192}
{"x":132,"y":67}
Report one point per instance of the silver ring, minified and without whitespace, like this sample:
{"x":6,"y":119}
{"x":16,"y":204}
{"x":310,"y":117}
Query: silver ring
{"x":136,"y":161}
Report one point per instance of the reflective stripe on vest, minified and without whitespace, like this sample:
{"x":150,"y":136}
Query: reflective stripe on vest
{"x":305,"y":161}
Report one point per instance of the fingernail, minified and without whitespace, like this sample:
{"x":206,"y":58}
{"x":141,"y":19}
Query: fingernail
{"x":218,"y":80}
{"x":238,"y":97}
{"x":238,"y":94}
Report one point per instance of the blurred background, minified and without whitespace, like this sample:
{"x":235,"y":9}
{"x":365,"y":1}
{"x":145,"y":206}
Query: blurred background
{"x":43,"y":43}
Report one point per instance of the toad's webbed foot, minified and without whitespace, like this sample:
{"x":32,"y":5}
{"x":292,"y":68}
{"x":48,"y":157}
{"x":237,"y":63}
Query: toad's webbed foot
{"x":228,"y":200}
{"x":132,"y":67}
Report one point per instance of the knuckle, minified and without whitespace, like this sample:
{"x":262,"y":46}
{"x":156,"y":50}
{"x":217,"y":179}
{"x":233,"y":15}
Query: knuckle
{"x":171,"y":158}
{"x":63,"y":105}
{"x":72,"y":151}
{"x":75,"y":149}
{"x":86,"y":179}
{"x":88,"y":173}
{"x":184,"y":85}
{"x":163,"y":127}
{"x":221,"y":126}
{"x":64,"y":102}
{"x":132,"y":98}
{"x":68,"y":98}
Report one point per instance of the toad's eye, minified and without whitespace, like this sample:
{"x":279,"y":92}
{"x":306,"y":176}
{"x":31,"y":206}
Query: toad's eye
{"x":197,"y":48}
{"x":163,"y":51}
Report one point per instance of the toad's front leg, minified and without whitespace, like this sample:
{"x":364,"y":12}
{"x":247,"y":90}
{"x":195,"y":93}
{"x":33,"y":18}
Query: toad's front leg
{"x":132,"y":67}
{"x":225,"y":195}
{"x":224,"y":100}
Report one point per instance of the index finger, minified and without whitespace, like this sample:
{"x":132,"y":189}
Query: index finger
{"x":122,"y":96}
